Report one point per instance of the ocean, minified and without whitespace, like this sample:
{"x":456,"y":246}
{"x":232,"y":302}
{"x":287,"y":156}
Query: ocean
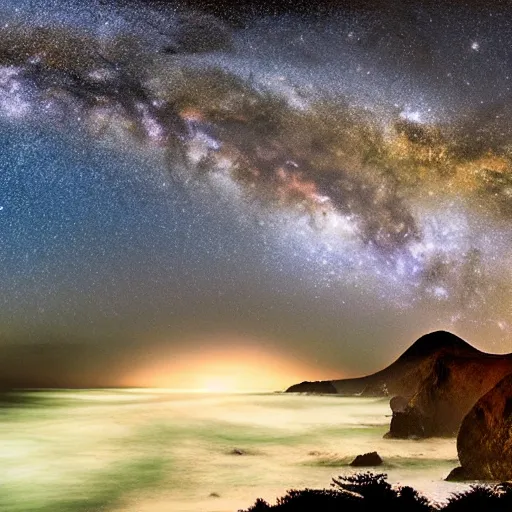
{"x":149,"y":450}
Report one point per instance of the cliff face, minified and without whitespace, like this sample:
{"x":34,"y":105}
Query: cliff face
{"x":452,"y":385}
{"x":484,"y":441}
{"x":402,"y":377}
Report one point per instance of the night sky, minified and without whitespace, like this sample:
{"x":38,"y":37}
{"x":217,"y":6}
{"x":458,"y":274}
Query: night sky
{"x":203,"y":199}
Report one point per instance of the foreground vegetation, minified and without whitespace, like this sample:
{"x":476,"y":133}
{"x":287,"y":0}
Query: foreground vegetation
{"x":370,"y":492}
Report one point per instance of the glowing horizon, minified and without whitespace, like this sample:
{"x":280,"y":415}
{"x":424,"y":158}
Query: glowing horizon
{"x":234,"y":364}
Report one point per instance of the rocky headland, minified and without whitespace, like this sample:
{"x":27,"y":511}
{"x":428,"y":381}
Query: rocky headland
{"x":452,"y":385}
{"x":433,"y":384}
{"x":404,"y":376}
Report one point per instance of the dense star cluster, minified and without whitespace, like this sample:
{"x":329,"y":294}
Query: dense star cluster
{"x":357,"y":157}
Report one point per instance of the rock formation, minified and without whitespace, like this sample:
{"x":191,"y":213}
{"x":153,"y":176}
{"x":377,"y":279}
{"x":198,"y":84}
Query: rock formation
{"x":454,"y":382}
{"x":398,"y":404}
{"x":320,"y":387}
{"x":402,"y":377}
{"x":433,"y":384}
{"x":484,"y":442}
{"x":367,"y":459}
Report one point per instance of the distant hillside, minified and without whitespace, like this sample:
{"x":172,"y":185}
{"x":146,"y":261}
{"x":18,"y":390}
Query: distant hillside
{"x":404,"y":376}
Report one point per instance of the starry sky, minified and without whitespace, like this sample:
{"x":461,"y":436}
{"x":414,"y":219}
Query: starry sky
{"x":194,"y":197}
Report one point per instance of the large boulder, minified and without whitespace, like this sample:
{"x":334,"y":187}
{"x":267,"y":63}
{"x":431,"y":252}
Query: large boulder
{"x":484,"y":442}
{"x":407,"y":424}
{"x":458,"y":474}
{"x":453,"y":383}
{"x":367,"y":459}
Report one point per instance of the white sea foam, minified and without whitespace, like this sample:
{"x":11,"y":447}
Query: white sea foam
{"x":104,"y":446}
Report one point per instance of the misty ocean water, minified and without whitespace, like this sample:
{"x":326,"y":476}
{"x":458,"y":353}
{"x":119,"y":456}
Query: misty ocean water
{"x":164,"y":451}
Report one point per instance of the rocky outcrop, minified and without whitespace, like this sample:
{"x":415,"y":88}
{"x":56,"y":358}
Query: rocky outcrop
{"x":457,"y":474}
{"x":398,"y":404}
{"x":367,"y":459}
{"x":407,"y":424}
{"x":404,"y":376}
{"x":484,"y":441}
{"x":453,"y":384}
{"x":321,"y":387}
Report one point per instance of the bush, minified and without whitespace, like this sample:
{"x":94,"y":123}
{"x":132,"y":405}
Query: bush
{"x":363,"y":492}
{"x":479,"y":497}
{"x":368,"y":492}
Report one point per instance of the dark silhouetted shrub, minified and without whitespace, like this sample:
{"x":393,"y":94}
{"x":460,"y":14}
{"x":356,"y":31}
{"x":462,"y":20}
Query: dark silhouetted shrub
{"x":367,"y":492}
{"x":479,"y":497}
{"x":363,"y":492}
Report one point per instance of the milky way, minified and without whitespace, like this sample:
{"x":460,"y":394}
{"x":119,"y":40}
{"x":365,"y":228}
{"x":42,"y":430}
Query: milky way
{"x":369,"y":154}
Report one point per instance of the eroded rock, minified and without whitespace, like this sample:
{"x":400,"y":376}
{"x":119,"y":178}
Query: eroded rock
{"x":484,"y":441}
{"x":452,"y":385}
{"x":367,"y":459}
